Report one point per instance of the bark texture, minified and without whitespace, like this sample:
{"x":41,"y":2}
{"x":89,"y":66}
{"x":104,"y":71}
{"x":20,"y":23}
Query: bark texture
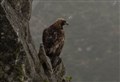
{"x":19,"y":60}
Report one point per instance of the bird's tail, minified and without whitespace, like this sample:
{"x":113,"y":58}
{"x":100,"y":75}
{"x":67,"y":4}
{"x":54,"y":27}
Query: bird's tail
{"x":55,"y":61}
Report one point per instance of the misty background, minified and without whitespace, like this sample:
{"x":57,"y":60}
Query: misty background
{"x":91,"y":50}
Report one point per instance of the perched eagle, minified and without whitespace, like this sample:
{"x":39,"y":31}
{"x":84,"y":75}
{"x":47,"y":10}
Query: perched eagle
{"x":53,"y":39}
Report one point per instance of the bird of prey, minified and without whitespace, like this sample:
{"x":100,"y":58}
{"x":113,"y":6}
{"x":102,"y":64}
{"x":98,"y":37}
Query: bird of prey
{"x":53,"y":38}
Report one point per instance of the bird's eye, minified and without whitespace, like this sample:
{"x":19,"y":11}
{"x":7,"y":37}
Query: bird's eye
{"x":64,"y":22}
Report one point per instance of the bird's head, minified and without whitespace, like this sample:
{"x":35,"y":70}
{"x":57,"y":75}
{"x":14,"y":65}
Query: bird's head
{"x":60,"y":22}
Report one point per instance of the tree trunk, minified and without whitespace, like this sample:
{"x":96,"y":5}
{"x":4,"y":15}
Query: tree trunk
{"x":19,"y":60}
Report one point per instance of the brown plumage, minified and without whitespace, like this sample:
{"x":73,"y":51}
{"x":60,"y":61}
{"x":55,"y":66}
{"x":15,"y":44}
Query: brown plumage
{"x":53,"y":39}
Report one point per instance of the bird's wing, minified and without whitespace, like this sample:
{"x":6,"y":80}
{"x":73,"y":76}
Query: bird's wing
{"x":52,"y":41}
{"x":49,"y":38}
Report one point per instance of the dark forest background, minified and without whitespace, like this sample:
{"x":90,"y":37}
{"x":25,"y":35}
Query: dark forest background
{"x":91,"y":50}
